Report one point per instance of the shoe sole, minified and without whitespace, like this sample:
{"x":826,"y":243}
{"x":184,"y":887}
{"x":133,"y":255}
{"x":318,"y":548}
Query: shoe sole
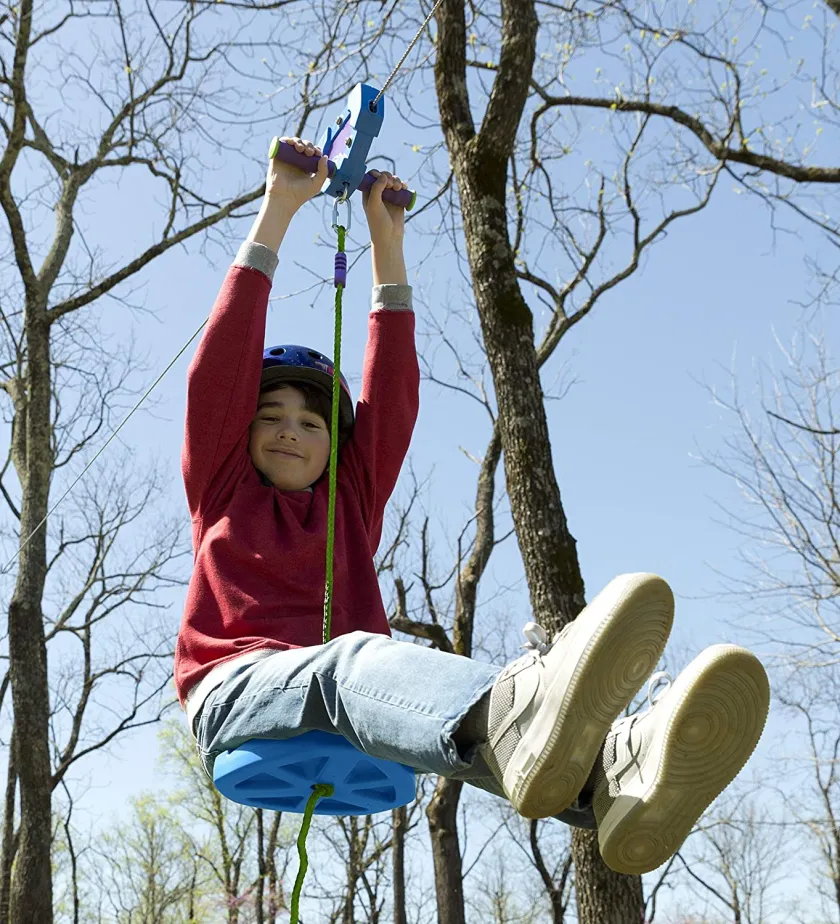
{"x":630,"y":622}
{"x":720,"y":706}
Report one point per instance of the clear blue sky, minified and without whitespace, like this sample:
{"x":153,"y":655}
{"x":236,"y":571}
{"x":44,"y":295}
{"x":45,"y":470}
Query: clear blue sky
{"x":622,"y":438}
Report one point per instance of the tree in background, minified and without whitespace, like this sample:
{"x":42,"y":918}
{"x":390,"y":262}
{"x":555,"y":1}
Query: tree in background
{"x":782,"y":459}
{"x":63,"y":387}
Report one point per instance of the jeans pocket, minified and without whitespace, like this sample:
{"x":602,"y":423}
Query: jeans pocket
{"x":204,"y":755}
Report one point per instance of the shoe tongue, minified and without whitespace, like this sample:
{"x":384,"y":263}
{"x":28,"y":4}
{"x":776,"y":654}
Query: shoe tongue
{"x":598,"y":785}
{"x":607,"y":757}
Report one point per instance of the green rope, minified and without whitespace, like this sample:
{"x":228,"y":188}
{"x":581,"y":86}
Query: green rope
{"x":336,"y":398}
{"x":318,"y":790}
{"x":324,"y":789}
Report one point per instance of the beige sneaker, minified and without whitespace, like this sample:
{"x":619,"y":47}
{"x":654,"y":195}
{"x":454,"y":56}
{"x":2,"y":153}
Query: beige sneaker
{"x":550,"y":710}
{"x":660,"y":770}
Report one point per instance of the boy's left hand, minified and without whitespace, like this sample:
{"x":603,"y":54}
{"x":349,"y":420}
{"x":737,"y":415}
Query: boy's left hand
{"x":386,"y":221}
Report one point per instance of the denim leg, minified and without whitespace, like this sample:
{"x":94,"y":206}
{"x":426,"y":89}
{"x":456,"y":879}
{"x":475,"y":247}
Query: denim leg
{"x":390,"y":699}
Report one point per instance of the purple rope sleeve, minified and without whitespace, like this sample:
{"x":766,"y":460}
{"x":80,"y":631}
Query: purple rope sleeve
{"x":341,"y":269}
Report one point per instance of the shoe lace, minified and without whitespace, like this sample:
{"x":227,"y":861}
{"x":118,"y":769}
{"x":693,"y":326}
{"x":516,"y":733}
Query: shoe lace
{"x":536,"y":638}
{"x":657,"y":679}
{"x":626,"y":730}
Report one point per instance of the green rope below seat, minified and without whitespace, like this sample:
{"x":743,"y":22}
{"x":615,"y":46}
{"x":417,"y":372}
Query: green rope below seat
{"x":324,"y":789}
{"x":318,"y":790}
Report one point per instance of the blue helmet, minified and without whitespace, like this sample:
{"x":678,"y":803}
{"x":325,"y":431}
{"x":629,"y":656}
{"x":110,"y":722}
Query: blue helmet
{"x":290,"y":362}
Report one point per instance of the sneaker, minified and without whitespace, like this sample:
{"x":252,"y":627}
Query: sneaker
{"x":550,"y":710}
{"x":660,"y":770}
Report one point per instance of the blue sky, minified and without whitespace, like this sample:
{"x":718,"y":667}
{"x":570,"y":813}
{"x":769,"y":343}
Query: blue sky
{"x":623,"y":437}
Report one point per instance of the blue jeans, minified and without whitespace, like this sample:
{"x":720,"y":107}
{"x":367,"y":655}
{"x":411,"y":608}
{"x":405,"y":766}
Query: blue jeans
{"x":388,"y":698}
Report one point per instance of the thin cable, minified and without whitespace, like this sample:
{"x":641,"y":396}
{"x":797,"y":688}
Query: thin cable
{"x":102,"y":449}
{"x":400,"y":63}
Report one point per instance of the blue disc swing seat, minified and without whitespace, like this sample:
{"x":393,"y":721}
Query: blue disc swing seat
{"x":279,"y":775}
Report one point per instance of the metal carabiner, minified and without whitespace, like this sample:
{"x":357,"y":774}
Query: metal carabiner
{"x":338,"y":200}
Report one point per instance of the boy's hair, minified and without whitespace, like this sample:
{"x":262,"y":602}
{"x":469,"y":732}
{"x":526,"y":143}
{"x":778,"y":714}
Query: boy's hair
{"x":315,"y":399}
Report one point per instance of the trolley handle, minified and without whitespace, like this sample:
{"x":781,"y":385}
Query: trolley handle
{"x":289,"y":154}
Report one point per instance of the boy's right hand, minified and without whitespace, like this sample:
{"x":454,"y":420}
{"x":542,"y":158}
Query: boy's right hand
{"x":291,"y":185}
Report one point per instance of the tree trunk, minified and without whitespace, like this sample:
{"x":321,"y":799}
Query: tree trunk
{"x":10,"y":839}
{"x":442,"y":813}
{"x":602,"y":895}
{"x":259,"y":899}
{"x":31,"y":893}
{"x":353,"y":871}
{"x":400,"y":819}
{"x":74,"y":867}
{"x":480,"y":162}
{"x":191,"y":918}
{"x":275,"y":889}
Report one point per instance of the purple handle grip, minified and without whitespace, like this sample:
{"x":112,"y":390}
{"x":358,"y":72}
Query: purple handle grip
{"x":403,"y":197}
{"x":289,"y":154}
{"x":286,"y":152}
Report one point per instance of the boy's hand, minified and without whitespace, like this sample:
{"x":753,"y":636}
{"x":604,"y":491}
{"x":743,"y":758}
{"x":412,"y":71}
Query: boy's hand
{"x":291,"y":185}
{"x":386,"y":221}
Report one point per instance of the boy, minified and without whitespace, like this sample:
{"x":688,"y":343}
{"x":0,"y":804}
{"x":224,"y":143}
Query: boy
{"x":543,"y":732}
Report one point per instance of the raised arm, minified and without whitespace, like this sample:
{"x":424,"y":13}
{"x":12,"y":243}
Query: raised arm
{"x":224,"y":375}
{"x":387,"y":408}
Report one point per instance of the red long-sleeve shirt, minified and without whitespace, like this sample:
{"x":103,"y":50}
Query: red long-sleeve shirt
{"x":259,"y":568}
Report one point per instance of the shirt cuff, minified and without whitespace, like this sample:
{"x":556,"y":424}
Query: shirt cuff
{"x":392,"y":297}
{"x":257,"y":256}
{"x":387,"y":297}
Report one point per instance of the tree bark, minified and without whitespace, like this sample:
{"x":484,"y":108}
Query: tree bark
{"x":9,"y":837}
{"x":259,"y":899}
{"x":549,"y":552}
{"x":31,"y":892}
{"x":30,"y":897}
{"x":353,"y":872}
{"x":442,"y":813}
{"x":275,"y":889}
{"x":602,"y":895}
{"x":400,"y":821}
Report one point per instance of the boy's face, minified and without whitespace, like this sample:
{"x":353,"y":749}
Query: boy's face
{"x":289,"y":444}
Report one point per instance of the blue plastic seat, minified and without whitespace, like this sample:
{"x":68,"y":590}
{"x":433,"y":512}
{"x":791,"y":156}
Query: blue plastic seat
{"x":279,"y":775}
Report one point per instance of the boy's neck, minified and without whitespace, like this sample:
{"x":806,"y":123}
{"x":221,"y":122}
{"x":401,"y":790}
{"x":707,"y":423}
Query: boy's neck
{"x":270,"y":484}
